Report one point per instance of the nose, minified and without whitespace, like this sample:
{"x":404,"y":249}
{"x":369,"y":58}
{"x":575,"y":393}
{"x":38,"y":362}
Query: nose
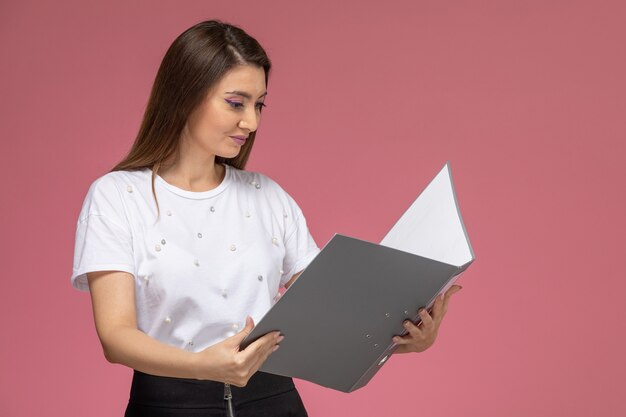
{"x":250,"y":120}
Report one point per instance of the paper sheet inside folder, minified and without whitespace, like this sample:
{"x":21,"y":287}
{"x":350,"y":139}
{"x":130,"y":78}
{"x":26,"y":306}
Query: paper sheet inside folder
{"x":433,"y":227}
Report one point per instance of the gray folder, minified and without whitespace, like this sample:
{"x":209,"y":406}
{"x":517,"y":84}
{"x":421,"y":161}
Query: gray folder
{"x":340,"y":315}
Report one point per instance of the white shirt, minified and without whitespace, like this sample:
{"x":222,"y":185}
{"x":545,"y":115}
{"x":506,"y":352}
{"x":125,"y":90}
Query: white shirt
{"x":210,"y":258}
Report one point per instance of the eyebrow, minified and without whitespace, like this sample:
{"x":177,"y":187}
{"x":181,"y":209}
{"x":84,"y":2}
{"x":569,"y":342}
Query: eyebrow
{"x":244,"y":94}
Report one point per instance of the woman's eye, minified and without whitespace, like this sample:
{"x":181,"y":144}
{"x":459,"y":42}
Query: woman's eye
{"x":239,"y":105}
{"x":234,"y":104}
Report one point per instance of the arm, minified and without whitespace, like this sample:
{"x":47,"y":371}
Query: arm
{"x":421,"y":337}
{"x":113,"y":299}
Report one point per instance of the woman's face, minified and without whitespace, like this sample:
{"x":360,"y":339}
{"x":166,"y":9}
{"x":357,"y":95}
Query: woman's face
{"x":229,"y":113}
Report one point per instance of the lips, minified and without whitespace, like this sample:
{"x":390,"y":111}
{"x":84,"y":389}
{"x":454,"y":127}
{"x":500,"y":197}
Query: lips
{"x":239,"y":140}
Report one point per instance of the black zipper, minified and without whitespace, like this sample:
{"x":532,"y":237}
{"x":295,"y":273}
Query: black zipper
{"x":228,"y":397}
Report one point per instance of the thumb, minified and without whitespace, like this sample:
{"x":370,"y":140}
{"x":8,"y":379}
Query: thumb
{"x":238,"y":338}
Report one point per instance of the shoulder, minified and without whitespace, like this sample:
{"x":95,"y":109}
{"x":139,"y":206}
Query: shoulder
{"x":262,"y":183}
{"x":107,"y":192}
{"x":116,"y":182}
{"x":266,"y":191}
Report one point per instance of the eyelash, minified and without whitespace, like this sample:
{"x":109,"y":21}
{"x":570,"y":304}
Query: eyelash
{"x":238,"y":105}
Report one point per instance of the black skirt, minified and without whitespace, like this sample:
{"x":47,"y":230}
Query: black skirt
{"x":264,"y":395}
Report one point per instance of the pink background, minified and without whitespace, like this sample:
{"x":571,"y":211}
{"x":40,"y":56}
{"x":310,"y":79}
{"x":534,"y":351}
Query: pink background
{"x":367,"y":101}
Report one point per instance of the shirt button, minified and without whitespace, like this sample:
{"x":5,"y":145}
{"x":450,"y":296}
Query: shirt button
{"x":169,"y":213}
{"x":260,"y":277}
{"x":157,"y":248}
{"x":129,"y":188}
{"x":196,"y":262}
{"x":212,"y":209}
{"x":168,"y":320}
{"x":146,"y":278}
{"x":235,"y":326}
{"x":224,"y":294}
{"x":281,"y":272}
{"x":162,"y":241}
{"x":233,"y":247}
{"x":199,"y":235}
{"x":275,"y":241}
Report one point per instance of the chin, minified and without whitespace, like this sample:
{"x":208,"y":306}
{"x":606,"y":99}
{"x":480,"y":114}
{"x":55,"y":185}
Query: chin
{"x":230,"y":153}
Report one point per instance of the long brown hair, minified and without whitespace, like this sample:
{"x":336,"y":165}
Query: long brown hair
{"x":192,"y":65}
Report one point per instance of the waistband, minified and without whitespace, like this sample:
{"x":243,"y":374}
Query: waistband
{"x":161,"y":391}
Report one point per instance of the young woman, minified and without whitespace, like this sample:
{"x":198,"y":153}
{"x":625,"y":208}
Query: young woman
{"x":182,"y":250}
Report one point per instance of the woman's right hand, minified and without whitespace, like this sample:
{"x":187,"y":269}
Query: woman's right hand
{"x":224,"y":361}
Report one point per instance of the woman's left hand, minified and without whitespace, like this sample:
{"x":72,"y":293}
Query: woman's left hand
{"x":421,"y":337}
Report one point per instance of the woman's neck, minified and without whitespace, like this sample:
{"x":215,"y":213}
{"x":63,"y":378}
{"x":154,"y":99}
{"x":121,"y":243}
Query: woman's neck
{"x":197,"y":176}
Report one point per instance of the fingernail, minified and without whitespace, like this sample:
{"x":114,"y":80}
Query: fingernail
{"x":275,"y":348}
{"x":280,"y":338}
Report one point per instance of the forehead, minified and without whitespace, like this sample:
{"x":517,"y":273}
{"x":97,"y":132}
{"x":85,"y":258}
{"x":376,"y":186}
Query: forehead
{"x":245,"y":78}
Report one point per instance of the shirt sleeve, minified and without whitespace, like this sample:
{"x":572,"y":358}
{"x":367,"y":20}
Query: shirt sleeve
{"x":103,"y":234}
{"x":300,"y":248}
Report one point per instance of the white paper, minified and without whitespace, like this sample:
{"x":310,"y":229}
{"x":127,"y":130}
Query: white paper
{"x":432,"y":227}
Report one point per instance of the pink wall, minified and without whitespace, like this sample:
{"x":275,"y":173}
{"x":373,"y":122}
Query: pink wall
{"x":367,"y":101}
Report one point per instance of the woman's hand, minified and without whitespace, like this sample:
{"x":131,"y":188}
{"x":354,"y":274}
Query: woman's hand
{"x":224,"y":361}
{"x":421,"y":337}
